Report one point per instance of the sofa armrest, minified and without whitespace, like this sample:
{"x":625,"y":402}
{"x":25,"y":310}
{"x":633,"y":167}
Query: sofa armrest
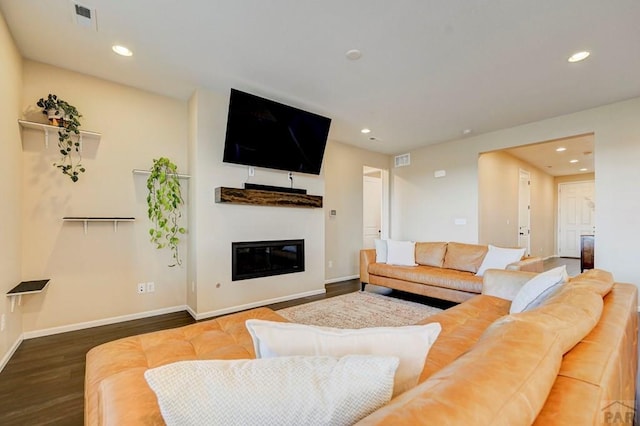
{"x":504,"y":284}
{"x":530,"y":264}
{"x":367,"y":256}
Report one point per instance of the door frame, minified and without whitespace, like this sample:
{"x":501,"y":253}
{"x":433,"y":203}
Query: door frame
{"x":384,"y":201}
{"x":522,"y":173}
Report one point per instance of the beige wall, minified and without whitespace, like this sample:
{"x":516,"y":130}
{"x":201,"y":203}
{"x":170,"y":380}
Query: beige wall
{"x":10,"y":173}
{"x":343,"y":182}
{"x":498,"y":187}
{"x":218,"y":225}
{"x":424,"y":208}
{"x":94,"y":276}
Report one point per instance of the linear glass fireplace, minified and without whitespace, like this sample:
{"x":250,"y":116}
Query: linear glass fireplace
{"x":253,"y":259}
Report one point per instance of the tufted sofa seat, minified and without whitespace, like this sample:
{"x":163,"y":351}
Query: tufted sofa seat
{"x":563,"y":363}
{"x":116,"y":392}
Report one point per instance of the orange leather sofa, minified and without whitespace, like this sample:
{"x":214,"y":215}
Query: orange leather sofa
{"x":571,"y":361}
{"x":444,"y":271}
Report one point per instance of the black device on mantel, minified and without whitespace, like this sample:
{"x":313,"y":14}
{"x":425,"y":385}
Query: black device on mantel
{"x":274,"y":188}
{"x":265,"y":133}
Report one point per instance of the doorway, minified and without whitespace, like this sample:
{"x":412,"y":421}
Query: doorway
{"x":576,"y":216}
{"x":524,"y":211}
{"x":375,"y":205}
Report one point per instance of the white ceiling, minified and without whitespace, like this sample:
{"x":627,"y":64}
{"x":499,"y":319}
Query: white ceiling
{"x":545,"y":156}
{"x":429,"y":70}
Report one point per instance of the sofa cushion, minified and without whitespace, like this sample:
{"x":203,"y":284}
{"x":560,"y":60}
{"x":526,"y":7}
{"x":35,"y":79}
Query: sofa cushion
{"x":431,"y":254}
{"x":439,"y":277}
{"x":410,"y":344}
{"x":462,"y":326}
{"x":464,"y":257}
{"x":282,"y":391}
{"x":601,"y":368}
{"x":595,"y":279}
{"x":504,"y":379}
{"x":572,"y":312}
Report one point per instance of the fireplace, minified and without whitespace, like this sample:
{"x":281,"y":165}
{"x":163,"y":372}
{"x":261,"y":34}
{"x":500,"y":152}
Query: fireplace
{"x":253,"y":259}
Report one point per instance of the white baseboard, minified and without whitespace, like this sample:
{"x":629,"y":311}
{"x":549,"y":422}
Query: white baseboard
{"x":337,"y":280}
{"x":10,"y":352}
{"x":191,"y":312}
{"x":105,"y":321}
{"x":251,"y":305}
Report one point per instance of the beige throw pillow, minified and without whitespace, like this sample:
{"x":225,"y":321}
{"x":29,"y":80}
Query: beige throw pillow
{"x":278,"y":391}
{"x":499,"y":258}
{"x":410,"y":344}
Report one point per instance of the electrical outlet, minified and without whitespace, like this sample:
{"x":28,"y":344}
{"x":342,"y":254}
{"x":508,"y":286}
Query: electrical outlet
{"x":151,"y":287}
{"x":2,"y":322}
{"x":193,"y":286}
{"x":331,"y":264}
{"x":142,"y":288}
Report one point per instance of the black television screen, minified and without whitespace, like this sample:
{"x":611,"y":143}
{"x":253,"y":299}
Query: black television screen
{"x":265,"y":133}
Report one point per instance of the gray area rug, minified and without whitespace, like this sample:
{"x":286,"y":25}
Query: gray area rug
{"x":359,"y":310}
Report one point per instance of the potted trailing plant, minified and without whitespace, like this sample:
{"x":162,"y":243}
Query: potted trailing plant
{"x":65,"y":116}
{"x":164,"y":202}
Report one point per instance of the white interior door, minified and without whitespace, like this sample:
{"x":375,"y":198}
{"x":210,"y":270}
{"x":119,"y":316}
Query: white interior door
{"x":371,"y":209}
{"x":576,"y":214}
{"x":524,"y":211}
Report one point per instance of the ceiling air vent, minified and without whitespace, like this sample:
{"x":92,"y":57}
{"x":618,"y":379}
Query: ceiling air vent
{"x":83,"y":16}
{"x":402,"y":160}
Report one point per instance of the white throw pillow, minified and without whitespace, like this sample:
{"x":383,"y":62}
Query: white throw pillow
{"x":402,"y":253}
{"x":538,"y":289}
{"x":381,"y":250}
{"x":499,"y":258}
{"x":409,"y":343}
{"x":277,"y":391}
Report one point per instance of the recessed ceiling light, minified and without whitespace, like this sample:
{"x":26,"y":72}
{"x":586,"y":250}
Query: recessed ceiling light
{"x":584,"y":169}
{"x":560,"y":149}
{"x":466,"y":131}
{"x":354,"y":54}
{"x":365,"y":131}
{"x":579,"y":56}
{"x":573,"y":161}
{"x":121,"y":50}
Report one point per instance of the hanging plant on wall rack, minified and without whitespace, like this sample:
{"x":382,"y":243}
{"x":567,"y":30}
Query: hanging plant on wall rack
{"x":65,"y":116}
{"x":164,"y":207}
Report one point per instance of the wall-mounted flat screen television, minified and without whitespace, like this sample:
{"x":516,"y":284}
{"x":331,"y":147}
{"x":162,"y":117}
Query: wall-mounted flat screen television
{"x":265,"y":133}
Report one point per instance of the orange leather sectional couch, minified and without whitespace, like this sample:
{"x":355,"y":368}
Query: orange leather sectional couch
{"x":570,"y":361}
{"x":444,"y":271}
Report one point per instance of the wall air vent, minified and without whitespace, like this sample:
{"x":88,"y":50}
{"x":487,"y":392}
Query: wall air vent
{"x":83,"y":16}
{"x":402,"y":160}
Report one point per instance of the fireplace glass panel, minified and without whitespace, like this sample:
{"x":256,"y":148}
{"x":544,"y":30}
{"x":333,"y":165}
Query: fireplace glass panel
{"x":253,"y":259}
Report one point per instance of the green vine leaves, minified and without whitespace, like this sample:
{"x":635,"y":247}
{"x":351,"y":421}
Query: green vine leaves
{"x":65,"y":116}
{"x":164,"y":202}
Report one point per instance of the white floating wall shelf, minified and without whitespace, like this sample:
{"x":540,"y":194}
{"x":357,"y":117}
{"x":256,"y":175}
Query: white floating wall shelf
{"x":47,"y":129}
{"x":86,"y":220}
